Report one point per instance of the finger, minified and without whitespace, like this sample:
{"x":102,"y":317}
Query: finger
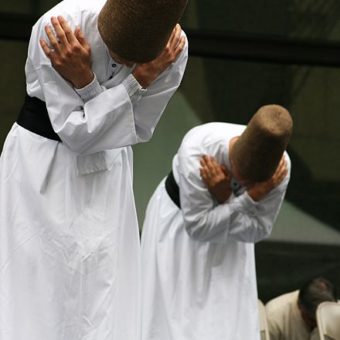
{"x":283,"y":162}
{"x":213,"y":166}
{"x":205,"y":159}
{"x":175,"y":36}
{"x":80,"y":37}
{"x":47,"y":50}
{"x":213,"y":163}
{"x":281,"y":175}
{"x":205,"y":169}
{"x":208,"y":162}
{"x":59,"y":31}
{"x":282,"y":167}
{"x":52,"y":38}
{"x":225,"y":171}
{"x":67,"y":30}
{"x":279,"y":168}
{"x":202,"y":161}
{"x":180,"y":47}
{"x":284,"y":171}
{"x":278,"y":180}
{"x":203,"y":174}
{"x":202,"y":171}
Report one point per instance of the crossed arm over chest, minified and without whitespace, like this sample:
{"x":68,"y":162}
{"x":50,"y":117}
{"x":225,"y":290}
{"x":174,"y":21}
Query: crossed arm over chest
{"x":212,"y":212}
{"x":100,"y":116}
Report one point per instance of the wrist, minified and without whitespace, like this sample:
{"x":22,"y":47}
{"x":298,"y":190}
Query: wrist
{"x":255,"y":195}
{"x":223,"y":197}
{"x":85,"y":80}
{"x":143,"y":77}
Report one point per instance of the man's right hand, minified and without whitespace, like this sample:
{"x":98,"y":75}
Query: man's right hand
{"x":146,"y":73}
{"x":216,"y":178}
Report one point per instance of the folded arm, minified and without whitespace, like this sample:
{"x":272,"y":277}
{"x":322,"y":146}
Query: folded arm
{"x":239,"y":218}
{"x":97,"y":118}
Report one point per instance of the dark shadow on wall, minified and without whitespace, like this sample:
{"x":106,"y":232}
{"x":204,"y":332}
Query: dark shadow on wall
{"x":284,"y":267}
{"x":320,"y":199}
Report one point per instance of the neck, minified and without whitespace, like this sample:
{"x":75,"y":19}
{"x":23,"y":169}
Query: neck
{"x":231,"y":148}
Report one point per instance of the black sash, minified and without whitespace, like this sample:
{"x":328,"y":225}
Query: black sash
{"x":34,"y":117}
{"x":172,"y":189}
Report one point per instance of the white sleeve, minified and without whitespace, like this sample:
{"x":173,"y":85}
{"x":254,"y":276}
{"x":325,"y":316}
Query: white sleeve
{"x":104,"y":118}
{"x":93,"y":89}
{"x":149,"y":108}
{"x":240,"y":218}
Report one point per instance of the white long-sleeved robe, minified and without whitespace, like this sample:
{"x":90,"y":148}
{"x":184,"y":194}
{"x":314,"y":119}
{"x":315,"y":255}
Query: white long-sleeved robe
{"x":198,"y":278}
{"x":69,"y":243}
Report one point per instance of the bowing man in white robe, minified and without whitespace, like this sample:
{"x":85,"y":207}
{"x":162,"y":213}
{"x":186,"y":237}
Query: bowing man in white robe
{"x":69,"y":240}
{"x":198,"y":278}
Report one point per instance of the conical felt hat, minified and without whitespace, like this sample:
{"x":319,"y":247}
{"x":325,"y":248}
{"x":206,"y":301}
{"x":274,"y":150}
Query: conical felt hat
{"x":258,"y":151}
{"x":138,"y":30}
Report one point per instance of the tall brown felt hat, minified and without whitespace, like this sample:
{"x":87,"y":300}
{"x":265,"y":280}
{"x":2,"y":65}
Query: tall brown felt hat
{"x":138,"y":30}
{"x":258,"y":151}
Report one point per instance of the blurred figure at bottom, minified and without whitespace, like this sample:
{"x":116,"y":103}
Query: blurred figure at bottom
{"x":292,"y":316}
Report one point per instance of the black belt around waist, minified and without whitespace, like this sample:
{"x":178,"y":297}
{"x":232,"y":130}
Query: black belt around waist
{"x":172,"y":189}
{"x":34,"y":117}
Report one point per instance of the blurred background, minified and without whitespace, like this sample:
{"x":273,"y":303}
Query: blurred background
{"x":243,"y":55}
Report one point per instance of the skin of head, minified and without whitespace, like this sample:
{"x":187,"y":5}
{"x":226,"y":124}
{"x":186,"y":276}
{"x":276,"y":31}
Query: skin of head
{"x":311,"y":295}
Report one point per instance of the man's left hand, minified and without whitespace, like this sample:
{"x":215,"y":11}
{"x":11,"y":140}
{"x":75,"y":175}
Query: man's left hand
{"x":146,"y":73}
{"x":259,"y":190}
{"x":216,"y":178}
